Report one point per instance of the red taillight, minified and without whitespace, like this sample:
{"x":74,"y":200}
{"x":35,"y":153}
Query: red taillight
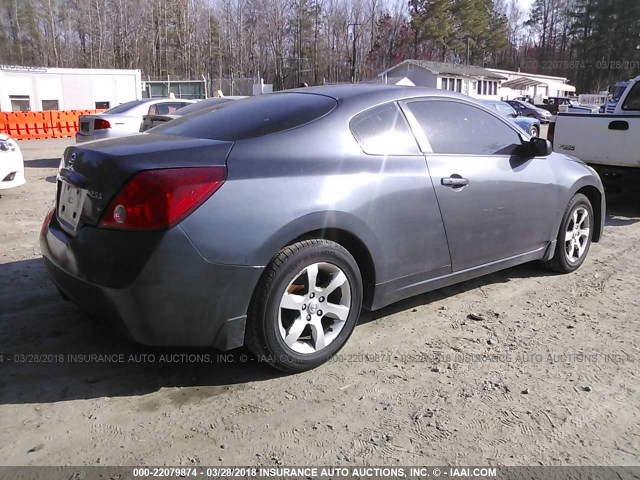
{"x":47,"y":220}
{"x":158,"y":199}
{"x":100,"y":123}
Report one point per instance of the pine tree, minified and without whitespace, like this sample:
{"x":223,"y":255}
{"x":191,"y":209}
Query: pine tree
{"x":432,"y":20}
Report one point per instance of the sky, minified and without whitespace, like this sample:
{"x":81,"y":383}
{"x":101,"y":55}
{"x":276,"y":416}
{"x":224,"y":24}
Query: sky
{"x":525,"y":4}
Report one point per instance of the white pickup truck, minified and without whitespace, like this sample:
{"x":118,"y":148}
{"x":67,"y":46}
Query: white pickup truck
{"x":608,"y":142}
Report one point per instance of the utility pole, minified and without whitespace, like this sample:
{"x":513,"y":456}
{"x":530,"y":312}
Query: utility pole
{"x":468,"y":38}
{"x":299,"y":48}
{"x":315,"y":45}
{"x":354,"y":54}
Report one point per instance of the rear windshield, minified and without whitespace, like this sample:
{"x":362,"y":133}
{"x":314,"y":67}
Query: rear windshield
{"x":201,"y":105}
{"x":124,"y":107}
{"x":253,"y":117}
{"x":504,"y":109}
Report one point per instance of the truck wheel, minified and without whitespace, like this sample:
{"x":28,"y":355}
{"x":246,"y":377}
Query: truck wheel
{"x":574,"y":237}
{"x":305,"y":306}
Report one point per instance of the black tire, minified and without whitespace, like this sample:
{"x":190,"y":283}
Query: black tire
{"x":531,"y":115}
{"x":533,"y":131}
{"x":263,"y":335}
{"x":560,"y":261}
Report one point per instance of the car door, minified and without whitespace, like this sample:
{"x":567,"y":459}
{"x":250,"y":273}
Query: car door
{"x":495,"y":204}
{"x":404,"y":211}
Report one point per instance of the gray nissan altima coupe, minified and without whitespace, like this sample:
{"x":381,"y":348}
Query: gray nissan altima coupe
{"x":272,"y":221}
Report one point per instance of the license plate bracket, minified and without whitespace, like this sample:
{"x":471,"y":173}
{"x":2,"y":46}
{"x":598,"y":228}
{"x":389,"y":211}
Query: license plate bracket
{"x":70,"y":204}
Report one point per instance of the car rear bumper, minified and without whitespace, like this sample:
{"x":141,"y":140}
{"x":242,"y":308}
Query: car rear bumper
{"x":173,"y":297}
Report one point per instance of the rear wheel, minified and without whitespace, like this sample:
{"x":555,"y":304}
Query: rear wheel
{"x":574,"y":237}
{"x":533,"y":131}
{"x":305,"y":306}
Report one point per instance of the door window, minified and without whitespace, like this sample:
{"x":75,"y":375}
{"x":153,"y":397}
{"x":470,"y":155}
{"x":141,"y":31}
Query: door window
{"x":383,"y":130}
{"x":458,"y":128}
{"x":632,"y":102}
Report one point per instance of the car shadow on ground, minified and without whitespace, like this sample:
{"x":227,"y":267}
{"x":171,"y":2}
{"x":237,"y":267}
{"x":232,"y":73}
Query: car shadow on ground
{"x":530,"y":270}
{"x":42,"y":163}
{"x":50,"y":351}
{"x":623,"y":207}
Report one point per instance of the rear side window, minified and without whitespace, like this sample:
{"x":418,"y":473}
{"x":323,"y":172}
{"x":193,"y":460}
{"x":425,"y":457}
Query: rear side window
{"x":457,"y":128}
{"x":383,"y":130}
{"x":253,"y":117}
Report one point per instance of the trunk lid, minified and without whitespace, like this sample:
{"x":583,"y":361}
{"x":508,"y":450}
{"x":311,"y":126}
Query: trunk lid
{"x":92,"y":173}
{"x":86,"y":123}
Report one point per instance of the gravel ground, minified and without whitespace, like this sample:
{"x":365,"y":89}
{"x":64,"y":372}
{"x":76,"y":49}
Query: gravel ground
{"x":559,"y":386}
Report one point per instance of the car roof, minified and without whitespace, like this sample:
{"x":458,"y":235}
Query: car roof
{"x":374,"y":92}
{"x":163,"y":99}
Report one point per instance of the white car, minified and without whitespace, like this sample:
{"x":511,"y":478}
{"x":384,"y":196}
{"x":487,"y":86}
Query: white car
{"x":11,"y":163}
{"x":125,"y":119}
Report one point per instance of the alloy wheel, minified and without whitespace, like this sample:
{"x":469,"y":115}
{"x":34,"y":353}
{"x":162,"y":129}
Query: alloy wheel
{"x":577,"y":235}
{"x":314,"y":308}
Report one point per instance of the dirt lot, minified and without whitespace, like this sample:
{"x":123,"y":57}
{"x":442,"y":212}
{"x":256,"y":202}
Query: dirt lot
{"x":562,"y":385}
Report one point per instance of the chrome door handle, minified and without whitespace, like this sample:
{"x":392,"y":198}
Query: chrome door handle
{"x":454,"y":181}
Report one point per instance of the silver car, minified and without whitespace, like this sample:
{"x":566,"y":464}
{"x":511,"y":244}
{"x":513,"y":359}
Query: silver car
{"x":150,"y":121}
{"x":124,"y":119}
{"x":272,"y":221}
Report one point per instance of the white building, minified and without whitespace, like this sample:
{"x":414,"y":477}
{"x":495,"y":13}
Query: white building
{"x":519,"y":84}
{"x":477,"y":82}
{"x":35,"y":88}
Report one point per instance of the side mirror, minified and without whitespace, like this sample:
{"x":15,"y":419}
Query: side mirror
{"x":538,"y":147}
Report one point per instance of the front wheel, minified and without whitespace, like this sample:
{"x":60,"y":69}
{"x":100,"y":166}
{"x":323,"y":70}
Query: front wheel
{"x":305,"y":306}
{"x":533,"y":131}
{"x":574,"y":237}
